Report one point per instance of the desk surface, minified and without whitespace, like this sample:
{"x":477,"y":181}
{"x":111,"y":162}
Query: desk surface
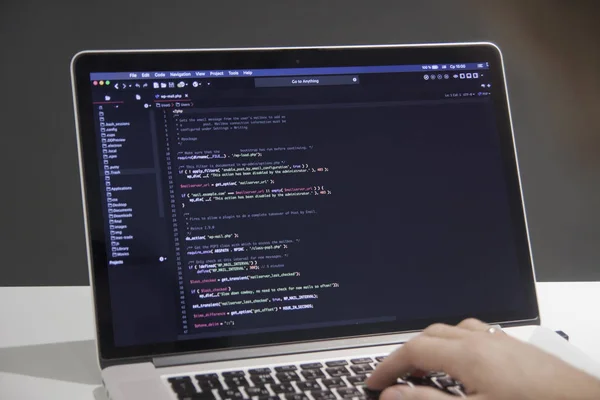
{"x":47,"y":349}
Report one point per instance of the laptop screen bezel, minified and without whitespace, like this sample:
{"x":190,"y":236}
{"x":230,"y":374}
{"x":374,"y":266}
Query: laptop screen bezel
{"x":163,"y":60}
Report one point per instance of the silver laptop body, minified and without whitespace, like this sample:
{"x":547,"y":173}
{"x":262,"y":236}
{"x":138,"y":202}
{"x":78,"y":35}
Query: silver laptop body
{"x":268,"y":223}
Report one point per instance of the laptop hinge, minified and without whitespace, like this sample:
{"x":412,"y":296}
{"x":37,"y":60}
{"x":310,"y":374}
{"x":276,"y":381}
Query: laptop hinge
{"x":281,"y":349}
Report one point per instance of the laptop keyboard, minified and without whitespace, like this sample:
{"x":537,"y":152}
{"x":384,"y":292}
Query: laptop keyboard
{"x":327,"y":380}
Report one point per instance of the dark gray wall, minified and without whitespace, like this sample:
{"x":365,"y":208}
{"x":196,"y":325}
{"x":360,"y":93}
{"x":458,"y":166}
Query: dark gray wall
{"x":552,"y":58}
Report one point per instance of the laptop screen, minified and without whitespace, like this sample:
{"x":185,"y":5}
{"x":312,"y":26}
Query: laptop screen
{"x":256,"y":202}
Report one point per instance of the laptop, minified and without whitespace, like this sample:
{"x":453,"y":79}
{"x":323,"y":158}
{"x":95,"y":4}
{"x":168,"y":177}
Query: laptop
{"x":270,"y":222}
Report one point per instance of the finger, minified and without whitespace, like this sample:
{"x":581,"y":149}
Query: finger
{"x":403,"y":392}
{"x":444,"y":331}
{"x":473,"y":324}
{"x":424,"y":353}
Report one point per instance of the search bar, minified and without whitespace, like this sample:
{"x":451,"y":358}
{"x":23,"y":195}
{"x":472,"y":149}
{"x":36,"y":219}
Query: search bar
{"x":289,"y":81}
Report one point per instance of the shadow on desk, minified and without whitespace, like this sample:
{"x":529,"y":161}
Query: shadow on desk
{"x":68,"y":361}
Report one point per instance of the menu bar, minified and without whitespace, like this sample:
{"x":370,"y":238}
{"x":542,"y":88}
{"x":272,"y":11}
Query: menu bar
{"x":227,"y":73}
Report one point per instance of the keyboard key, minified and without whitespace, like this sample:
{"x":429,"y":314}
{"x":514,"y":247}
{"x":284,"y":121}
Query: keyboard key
{"x":363,"y":360}
{"x":361,"y":368}
{"x":296,"y":396}
{"x":457,"y":391}
{"x":207,"y":377}
{"x":419,"y":380}
{"x":257,"y":391}
{"x":443,"y":382}
{"x":336,"y":363}
{"x":286,"y":368}
{"x":380,"y":359}
{"x":315,"y":365}
{"x":229,"y":374}
{"x":313,"y":374}
{"x":198,"y":396}
{"x":333,"y":382}
{"x":209,"y":385}
{"x":183,"y":385}
{"x":262,"y":379}
{"x":283,"y":388}
{"x":348,"y":392}
{"x":323,"y":395}
{"x":259,"y":371}
{"x":230,"y":394}
{"x":309,"y":386}
{"x":371,"y":393}
{"x":179,"y":379}
{"x":337,"y":371}
{"x":357,"y":380}
{"x":236,"y":381}
{"x":287,"y":376}
{"x":269,"y":398}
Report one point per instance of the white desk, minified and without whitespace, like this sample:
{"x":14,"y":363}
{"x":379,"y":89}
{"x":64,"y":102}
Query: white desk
{"x":47,"y":352}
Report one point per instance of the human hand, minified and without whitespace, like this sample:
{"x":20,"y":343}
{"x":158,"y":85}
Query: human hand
{"x":492,"y":366}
